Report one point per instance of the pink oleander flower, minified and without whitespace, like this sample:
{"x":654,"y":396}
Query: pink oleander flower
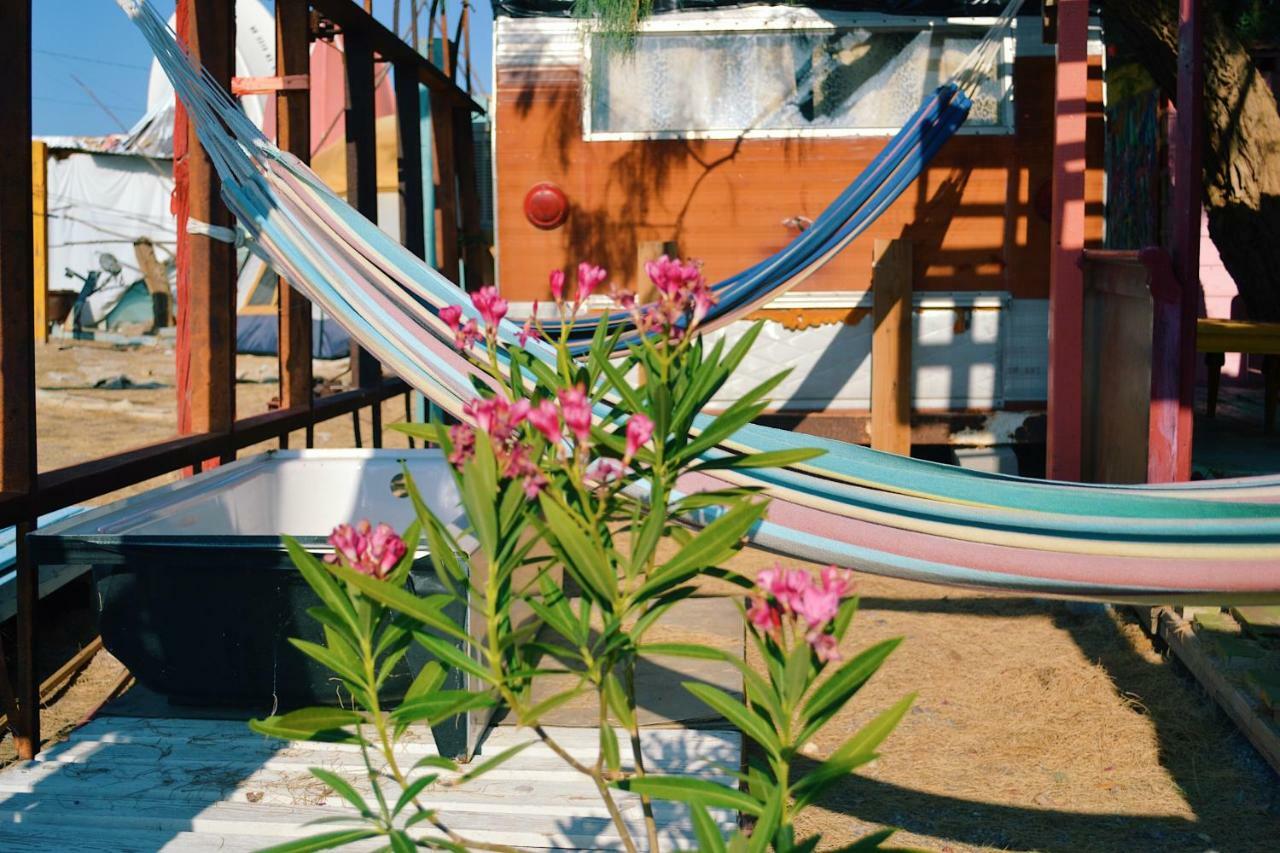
{"x":824,"y":646}
{"x":491,"y":306}
{"x":672,"y":276}
{"x":545,"y":418}
{"x":466,"y":335}
{"x":816,"y":606}
{"x":839,"y":581}
{"x":463,"y":439}
{"x":764,"y":616}
{"x":639,"y":431}
{"x":785,"y":585}
{"x":604,"y":471}
{"x":520,"y":466}
{"x":529,"y":331}
{"x":625,"y":299}
{"x":703,"y":299}
{"x":576,"y":409}
{"x":795,"y":595}
{"x":557,"y":285}
{"x":497,"y":416}
{"x":370,"y":551}
{"x":590,"y":277}
{"x":452,"y":316}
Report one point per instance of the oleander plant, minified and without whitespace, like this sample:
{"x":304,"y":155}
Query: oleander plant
{"x":583,"y":474}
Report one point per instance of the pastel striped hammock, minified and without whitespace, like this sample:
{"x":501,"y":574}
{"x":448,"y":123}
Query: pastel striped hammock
{"x":1214,"y":542}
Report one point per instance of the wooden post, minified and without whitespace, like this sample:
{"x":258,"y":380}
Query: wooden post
{"x":40,"y":236}
{"x":362,"y":168}
{"x":891,"y":347}
{"x":1066,"y":278}
{"x":475,"y":248}
{"x":444,"y":167}
{"x":206,"y":267}
{"x":1188,"y":122}
{"x":293,"y":131}
{"x":409,"y":150}
{"x":17,"y":344}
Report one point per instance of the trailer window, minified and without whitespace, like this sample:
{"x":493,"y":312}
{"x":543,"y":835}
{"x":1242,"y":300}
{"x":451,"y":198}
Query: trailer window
{"x":763,"y":83}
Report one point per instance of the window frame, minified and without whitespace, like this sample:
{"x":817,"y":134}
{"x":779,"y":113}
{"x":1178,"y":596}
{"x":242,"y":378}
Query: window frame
{"x":676,"y":25}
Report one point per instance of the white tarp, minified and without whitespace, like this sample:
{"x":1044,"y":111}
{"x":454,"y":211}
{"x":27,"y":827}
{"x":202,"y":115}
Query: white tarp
{"x":103,"y":203}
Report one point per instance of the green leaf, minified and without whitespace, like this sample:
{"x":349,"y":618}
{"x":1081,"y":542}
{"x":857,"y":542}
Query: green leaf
{"x":316,"y":576}
{"x":853,"y":753}
{"x":833,"y":693}
{"x":428,"y":611}
{"x":323,"y":841}
{"x":618,"y":701}
{"x":752,"y":724}
{"x":343,"y":789}
{"x":501,"y":758}
{"x":767,"y":824}
{"x":480,"y":493}
{"x":546,"y":706}
{"x":758,"y":690}
{"x":305,"y":722}
{"x":769,"y":459}
{"x":706,"y":830}
{"x":401,"y":842}
{"x":440,"y":706}
{"x":609,"y":748}
{"x":329,"y":659}
{"x":715,"y":543}
{"x":452,"y":655}
{"x":428,"y":680}
{"x":412,"y":790}
{"x":687,"y":789}
{"x":799,"y":672}
{"x":427,"y":432}
{"x":573,"y":541}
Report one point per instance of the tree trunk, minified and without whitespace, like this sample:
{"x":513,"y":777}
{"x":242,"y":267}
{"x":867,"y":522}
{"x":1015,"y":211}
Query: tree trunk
{"x":1241,"y":142}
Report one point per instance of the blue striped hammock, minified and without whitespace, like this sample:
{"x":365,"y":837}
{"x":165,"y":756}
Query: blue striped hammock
{"x":1214,"y":542}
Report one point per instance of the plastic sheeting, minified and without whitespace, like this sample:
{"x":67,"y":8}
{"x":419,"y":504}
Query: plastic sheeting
{"x":103,"y":203}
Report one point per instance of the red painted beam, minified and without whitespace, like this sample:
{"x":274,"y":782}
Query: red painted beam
{"x":206,"y":334}
{"x":1066,"y":277}
{"x":1187,"y":131}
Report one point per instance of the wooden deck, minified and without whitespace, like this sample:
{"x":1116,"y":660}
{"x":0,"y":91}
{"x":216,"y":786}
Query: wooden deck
{"x":135,"y":784}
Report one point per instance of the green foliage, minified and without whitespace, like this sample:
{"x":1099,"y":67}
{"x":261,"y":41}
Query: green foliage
{"x":596,"y":508}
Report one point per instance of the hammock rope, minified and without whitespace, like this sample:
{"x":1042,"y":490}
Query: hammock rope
{"x":1212,"y":542}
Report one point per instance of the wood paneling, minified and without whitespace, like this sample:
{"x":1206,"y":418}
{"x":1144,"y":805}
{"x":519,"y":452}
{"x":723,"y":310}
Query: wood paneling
{"x":977,"y":219}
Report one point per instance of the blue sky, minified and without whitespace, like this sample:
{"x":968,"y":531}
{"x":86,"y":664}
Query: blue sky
{"x":93,"y":41}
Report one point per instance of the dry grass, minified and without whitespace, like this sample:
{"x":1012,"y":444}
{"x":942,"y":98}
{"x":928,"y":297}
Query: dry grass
{"x":1037,"y":726}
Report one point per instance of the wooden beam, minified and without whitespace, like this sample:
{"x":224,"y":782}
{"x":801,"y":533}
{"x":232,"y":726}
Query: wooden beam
{"x":362,"y":164}
{"x":352,"y":19}
{"x":444,"y":171}
{"x":1066,"y":278}
{"x":409,"y":151}
{"x":891,"y":347}
{"x":40,"y":236}
{"x":1188,"y":123}
{"x":206,"y":267}
{"x":293,"y":131}
{"x":475,"y":246}
{"x":17,"y":343}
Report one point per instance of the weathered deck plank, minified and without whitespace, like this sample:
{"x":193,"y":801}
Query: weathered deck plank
{"x":125,"y":783}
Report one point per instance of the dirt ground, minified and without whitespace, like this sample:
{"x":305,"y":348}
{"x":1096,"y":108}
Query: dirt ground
{"x":1037,"y":726}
